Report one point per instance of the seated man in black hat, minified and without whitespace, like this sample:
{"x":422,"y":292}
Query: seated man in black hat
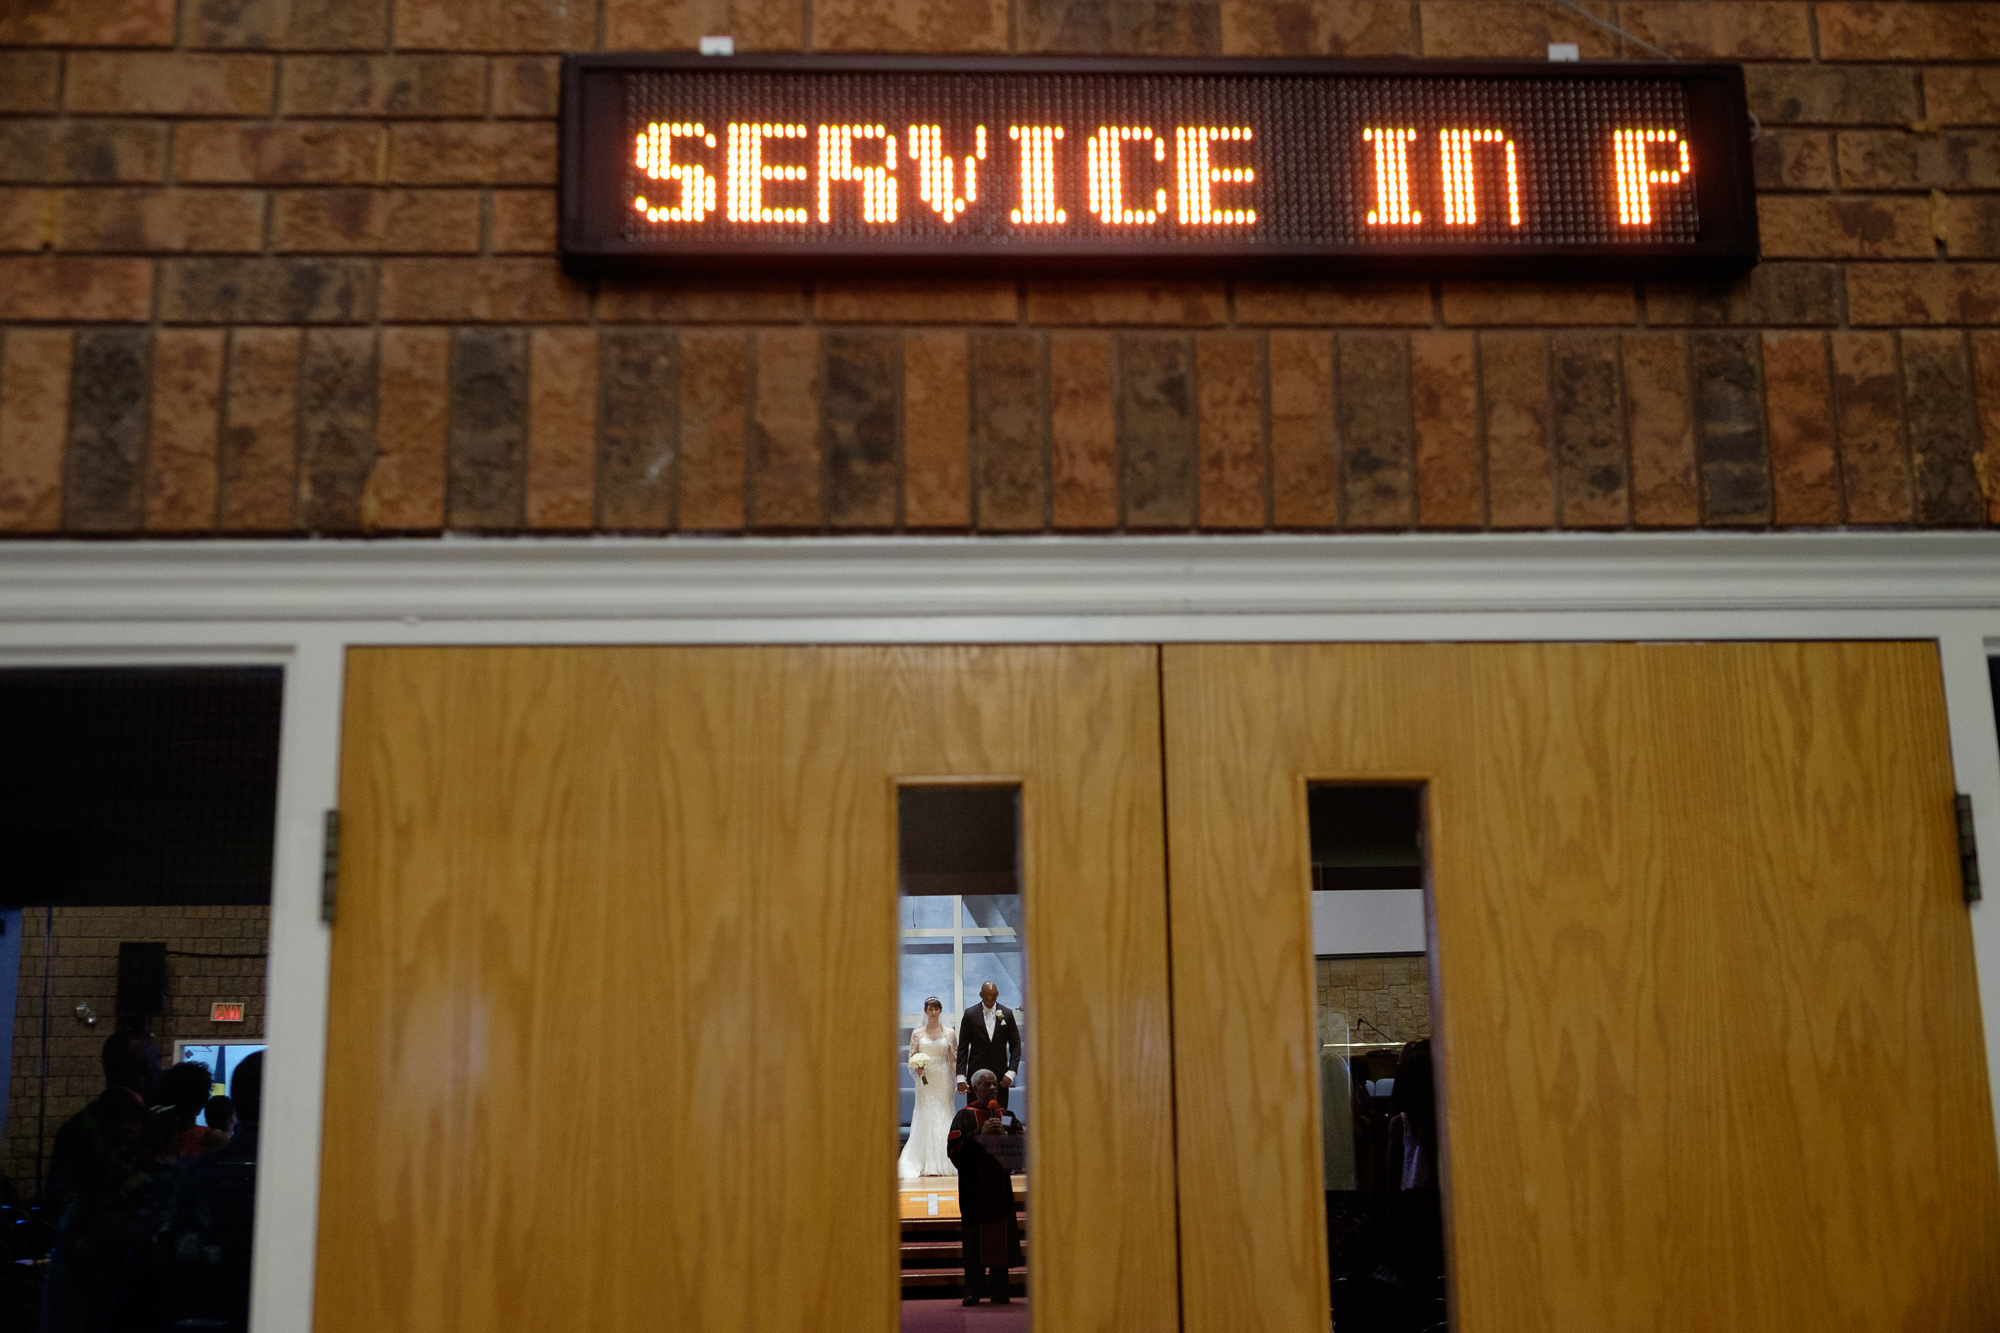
{"x":987,"y":1145}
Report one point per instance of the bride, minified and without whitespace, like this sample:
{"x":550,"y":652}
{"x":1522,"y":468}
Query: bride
{"x":930,"y":1123}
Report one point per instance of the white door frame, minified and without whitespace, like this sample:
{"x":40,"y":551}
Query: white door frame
{"x":302,"y":604}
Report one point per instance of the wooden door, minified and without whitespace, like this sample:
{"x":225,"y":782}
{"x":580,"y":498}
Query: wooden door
{"x":614,"y":983}
{"x":1708,"y":1029}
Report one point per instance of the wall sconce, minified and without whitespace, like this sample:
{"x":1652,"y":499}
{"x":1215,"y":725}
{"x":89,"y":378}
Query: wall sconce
{"x":86,"y":1015}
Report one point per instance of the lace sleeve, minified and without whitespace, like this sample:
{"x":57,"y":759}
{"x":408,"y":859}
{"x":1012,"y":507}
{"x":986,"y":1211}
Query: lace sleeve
{"x":916,"y":1037}
{"x":951,"y":1038}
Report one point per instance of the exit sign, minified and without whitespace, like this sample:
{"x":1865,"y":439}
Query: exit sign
{"x":908,"y":165}
{"x":226,"y":1011}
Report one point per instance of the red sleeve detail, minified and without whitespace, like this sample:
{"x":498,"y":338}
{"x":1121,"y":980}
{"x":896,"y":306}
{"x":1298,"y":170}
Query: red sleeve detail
{"x":952,"y":1135}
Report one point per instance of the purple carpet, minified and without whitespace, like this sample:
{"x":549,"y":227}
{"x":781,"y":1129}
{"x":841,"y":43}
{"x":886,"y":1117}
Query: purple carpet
{"x":951,"y":1317}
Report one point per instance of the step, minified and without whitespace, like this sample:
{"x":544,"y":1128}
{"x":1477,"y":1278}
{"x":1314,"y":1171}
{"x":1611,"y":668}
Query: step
{"x":928,"y":1254}
{"x":952,"y":1277}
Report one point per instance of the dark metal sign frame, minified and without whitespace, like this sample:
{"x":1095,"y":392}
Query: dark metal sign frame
{"x":596,"y":150}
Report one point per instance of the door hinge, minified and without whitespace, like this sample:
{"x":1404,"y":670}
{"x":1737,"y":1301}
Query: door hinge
{"x":329,"y":873}
{"x":1968,"y":848}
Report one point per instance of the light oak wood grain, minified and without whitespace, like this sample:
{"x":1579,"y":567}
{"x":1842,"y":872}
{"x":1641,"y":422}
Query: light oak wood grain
{"x":1706,"y":1010}
{"x":606,"y":911}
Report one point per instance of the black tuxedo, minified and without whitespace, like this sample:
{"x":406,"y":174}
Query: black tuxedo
{"x":1000,"y":1052}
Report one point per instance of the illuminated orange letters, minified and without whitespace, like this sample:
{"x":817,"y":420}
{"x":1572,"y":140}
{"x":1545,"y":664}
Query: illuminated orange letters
{"x":1461,"y":195}
{"x":1198,"y":179}
{"x":748,"y":172}
{"x":1106,"y":152}
{"x":836,"y":164}
{"x":1637,"y":176}
{"x":1392,"y":178}
{"x":1038,"y":173}
{"x":697,"y":187}
{"x":935,"y":170}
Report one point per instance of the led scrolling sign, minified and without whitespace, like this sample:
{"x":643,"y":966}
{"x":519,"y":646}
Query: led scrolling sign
{"x":1090,"y":166}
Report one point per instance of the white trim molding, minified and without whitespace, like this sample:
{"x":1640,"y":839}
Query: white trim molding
{"x":516,"y":579}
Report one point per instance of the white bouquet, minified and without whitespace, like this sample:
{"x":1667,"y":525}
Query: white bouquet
{"x":918,"y":1064}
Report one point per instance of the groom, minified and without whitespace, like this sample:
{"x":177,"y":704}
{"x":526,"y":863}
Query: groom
{"x":989,"y":1038}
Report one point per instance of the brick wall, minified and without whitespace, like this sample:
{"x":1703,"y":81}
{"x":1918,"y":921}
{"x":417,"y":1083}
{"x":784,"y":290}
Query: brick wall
{"x":85,"y":971}
{"x":1391,"y":991}
{"x":286,"y":266}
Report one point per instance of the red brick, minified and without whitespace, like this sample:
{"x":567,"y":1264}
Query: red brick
{"x":1986,"y":391}
{"x":1083,"y":431}
{"x":379,"y":85}
{"x":187,"y":422}
{"x":937,"y":430}
{"x":290,"y":153}
{"x":1961,"y":30}
{"x":784,"y":444}
{"x":562,"y":428}
{"x":703,"y":301}
{"x":1793,"y":160}
{"x":99,"y":152}
{"x":714,"y":390}
{"x":169,"y":84}
{"x":263,"y":290}
{"x":259,"y":453}
{"x":1743,"y":30}
{"x":524,"y":222}
{"x":97,"y":23}
{"x":1902,"y":160}
{"x":1868,"y":406}
{"x":473,"y":153}
{"x":34,"y":423}
{"x":1333,"y":303}
{"x":1962,"y":94}
{"x":1010,"y":447}
{"x":1660,"y":425}
{"x":1515,"y":389}
{"x":1482,"y":28}
{"x":75,"y":288}
{"x":1305,"y":487}
{"x":1772,"y":294}
{"x":1229,"y":422}
{"x":1939,"y":410}
{"x":1831,"y":95}
{"x":1923,"y":294}
{"x":1087,"y":302}
{"x":28,"y":219}
{"x":1376,"y":430}
{"x":1798,"y":404}
{"x":365,"y":221}
{"x":1970,"y":227}
{"x":480,"y":290}
{"x":860,"y":401}
{"x":294,"y":24}
{"x":406,"y":489}
{"x":30,"y":81}
{"x":1587,"y":427}
{"x":1444,"y":389}
{"x":1540,"y":303}
{"x":913,"y":301}
{"x":215,"y":221}
{"x":757,"y":25}
{"x":1318,"y":28}
{"x":495,"y":25}
{"x":898,"y":25}
{"x":1092,"y":27}
{"x":1807,"y":227}
{"x":527,"y":86}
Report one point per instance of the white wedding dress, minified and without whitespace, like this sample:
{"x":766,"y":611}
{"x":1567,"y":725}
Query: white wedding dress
{"x":930,"y":1122}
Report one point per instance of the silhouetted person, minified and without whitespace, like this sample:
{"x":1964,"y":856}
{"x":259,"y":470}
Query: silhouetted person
{"x":220,"y":1113}
{"x":184,"y":1092}
{"x":207,"y":1246}
{"x":985,"y":1147}
{"x":1416,"y":1214}
{"x":104,"y":1193}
